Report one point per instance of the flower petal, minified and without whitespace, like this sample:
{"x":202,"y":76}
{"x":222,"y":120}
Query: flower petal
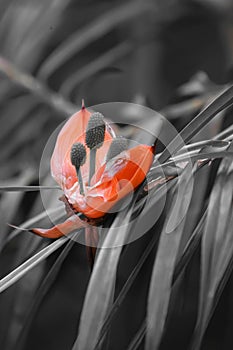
{"x":115,"y":180}
{"x":74,"y":131}
{"x":71,"y":224}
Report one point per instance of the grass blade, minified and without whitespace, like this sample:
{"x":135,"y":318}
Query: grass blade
{"x":42,"y":291}
{"x":21,"y":270}
{"x":117,"y":303}
{"x":35,"y":87}
{"x":210,"y":155}
{"x":94,"y":67}
{"x":102,"y":283}
{"x":161,"y":280}
{"x":217,"y":248}
{"x":138,"y":338}
{"x":223,"y":101}
{"x":27,"y":188}
{"x":82,"y":38}
{"x":180,"y":266}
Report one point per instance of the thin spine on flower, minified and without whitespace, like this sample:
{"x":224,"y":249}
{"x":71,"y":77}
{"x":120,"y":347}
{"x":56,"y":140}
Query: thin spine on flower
{"x":94,"y":139}
{"x":78,"y":158}
{"x":118,"y":145}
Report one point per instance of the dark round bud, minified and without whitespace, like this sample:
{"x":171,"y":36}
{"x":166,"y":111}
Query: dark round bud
{"x":118,"y":145}
{"x":78,"y":154}
{"x":95,"y":131}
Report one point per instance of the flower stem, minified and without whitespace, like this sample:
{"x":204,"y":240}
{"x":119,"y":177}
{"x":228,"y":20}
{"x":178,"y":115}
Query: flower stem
{"x":92,"y":164}
{"x":80,"y":180}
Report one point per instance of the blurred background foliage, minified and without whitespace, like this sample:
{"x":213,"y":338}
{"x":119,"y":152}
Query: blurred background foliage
{"x":172,"y":56}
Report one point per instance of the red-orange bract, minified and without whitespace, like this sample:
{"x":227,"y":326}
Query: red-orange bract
{"x":112,"y":181}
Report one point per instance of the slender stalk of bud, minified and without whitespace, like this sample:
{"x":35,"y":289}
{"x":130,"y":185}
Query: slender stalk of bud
{"x":95,"y":134}
{"x":78,"y":158}
{"x":118,"y":145}
{"x":80,"y":180}
{"x":92,"y":164}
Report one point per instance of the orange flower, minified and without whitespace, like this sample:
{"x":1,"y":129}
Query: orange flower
{"x":112,"y":180}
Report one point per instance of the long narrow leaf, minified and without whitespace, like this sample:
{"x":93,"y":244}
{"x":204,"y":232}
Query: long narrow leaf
{"x":100,"y":290}
{"x":180,"y":266}
{"x":80,"y":39}
{"x":203,"y":118}
{"x":34,"y":86}
{"x":27,"y":188}
{"x":20,"y":271}
{"x":216,"y":247}
{"x":92,"y":68}
{"x":139,"y":336}
{"x":42,"y":291}
{"x":161,"y":281}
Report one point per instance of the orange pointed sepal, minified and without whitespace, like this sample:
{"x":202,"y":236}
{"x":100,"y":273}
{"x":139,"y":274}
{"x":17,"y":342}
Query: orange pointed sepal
{"x":71,"y":224}
{"x":115,"y":180}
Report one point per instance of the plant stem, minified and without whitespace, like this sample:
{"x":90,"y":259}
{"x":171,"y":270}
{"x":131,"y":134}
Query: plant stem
{"x":92,"y":164}
{"x":80,"y":180}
